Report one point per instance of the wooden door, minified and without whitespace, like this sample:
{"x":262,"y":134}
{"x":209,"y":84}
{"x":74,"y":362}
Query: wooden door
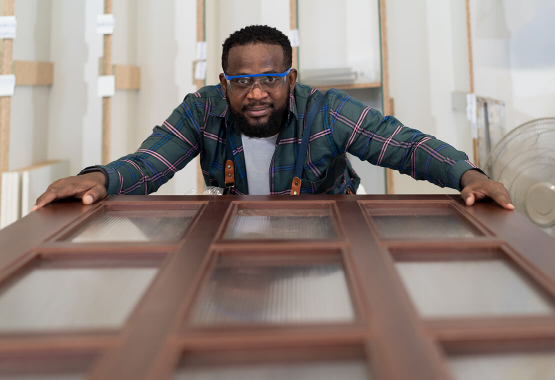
{"x":229,"y":287}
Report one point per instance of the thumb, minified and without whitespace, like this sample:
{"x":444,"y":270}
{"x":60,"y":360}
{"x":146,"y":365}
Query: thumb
{"x":95,"y":194}
{"x":468,"y":196}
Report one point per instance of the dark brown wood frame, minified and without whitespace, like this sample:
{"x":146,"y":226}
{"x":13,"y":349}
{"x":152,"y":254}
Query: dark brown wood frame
{"x":387,"y":329}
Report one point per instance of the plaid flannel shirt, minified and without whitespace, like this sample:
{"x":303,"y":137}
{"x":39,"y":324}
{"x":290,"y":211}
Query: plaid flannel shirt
{"x":197,"y":126}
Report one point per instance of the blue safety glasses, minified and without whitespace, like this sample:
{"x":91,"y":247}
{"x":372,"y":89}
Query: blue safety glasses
{"x":243,"y":84}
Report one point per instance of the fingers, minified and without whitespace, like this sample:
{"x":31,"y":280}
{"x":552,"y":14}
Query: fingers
{"x":89,"y":187}
{"x":502,"y":198}
{"x":96,"y":193}
{"x":50,"y":195}
{"x":494,"y":190}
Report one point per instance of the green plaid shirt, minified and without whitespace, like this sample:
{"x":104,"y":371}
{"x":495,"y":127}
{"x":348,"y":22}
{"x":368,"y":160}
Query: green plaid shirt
{"x":343,"y":124}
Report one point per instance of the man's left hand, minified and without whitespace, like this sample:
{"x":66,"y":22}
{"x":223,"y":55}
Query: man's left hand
{"x":477,"y":186}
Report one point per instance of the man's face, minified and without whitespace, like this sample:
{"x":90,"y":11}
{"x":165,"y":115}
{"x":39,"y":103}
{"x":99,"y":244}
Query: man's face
{"x":258,"y":113}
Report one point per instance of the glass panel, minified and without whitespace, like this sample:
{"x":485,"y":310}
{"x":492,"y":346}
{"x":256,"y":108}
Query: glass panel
{"x":276,"y":294}
{"x":521,"y":366}
{"x":345,"y":370}
{"x":135,"y":225}
{"x":428,"y":223}
{"x":486,"y":287}
{"x":281,"y":224}
{"x":46,"y":298}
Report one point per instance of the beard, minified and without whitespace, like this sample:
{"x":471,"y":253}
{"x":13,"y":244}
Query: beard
{"x":259,"y":130}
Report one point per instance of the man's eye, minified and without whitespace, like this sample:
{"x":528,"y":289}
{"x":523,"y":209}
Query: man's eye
{"x":243,"y":81}
{"x":270,"y":79}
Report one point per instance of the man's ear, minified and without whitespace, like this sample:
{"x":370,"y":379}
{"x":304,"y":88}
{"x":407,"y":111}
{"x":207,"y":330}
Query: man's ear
{"x":292,"y":79}
{"x":223,"y":82}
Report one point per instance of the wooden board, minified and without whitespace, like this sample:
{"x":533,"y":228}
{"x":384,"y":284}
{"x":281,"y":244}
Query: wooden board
{"x":293,"y":18}
{"x":33,"y":73}
{"x":107,"y":101}
{"x":127,"y":77}
{"x":351,"y":86}
{"x":475,"y":150}
{"x":387,"y":335}
{"x":5,"y":101}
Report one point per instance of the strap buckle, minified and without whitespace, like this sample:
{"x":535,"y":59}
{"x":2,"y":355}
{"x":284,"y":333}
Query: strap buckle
{"x":229,"y":172}
{"x":227,"y":190}
{"x":296,"y":186}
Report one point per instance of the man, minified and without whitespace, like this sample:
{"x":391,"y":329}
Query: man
{"x":249,"y":131}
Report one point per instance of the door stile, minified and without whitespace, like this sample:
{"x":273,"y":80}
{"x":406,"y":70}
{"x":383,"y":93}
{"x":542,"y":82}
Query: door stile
{"x":401,"y":337}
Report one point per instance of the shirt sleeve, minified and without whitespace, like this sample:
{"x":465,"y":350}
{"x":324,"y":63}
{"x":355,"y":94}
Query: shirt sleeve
{"x":168,"y":149}
{"x":385,"y":141}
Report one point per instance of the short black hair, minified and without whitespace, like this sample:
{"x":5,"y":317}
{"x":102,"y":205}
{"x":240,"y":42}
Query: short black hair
{"x":258,"y":34}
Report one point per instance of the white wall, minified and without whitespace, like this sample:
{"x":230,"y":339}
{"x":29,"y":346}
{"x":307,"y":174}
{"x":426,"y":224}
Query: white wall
{"x":428,"y":60}
{"x":514,"y":61}
{"x":124,"y":103}
{"x":70,"y":93}
{"x":64,"y":121}
{"x":337,"y":34}
{"x":223,"y":17}
{"x":29,"y":127}
{"x":514,"y":56}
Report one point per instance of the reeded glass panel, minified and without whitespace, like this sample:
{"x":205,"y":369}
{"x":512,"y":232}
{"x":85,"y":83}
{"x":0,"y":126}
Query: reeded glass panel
{"x":135,"y":225}
{"x":489,"y":287}
{"x":61,"y":298}
{"x":281,"y":224}
{"x":521,"y":366}
{"x":276,"y":294}
{"x":430,"y":223}
{"x":332,"y":370}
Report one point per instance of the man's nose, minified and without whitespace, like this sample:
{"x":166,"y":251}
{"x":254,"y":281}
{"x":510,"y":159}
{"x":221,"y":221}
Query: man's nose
{"x":257,"y":93}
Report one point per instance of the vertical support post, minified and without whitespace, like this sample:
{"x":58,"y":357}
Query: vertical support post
{"x":293,"y":25}
{"x":471,"y":74}
{"x":200,"y":82}
{"x":5,"y":101}
{"x":107,"y":101}
{"x":386,"y":97}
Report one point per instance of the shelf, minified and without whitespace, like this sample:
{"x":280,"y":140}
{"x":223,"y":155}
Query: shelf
{"x":350,"y":86}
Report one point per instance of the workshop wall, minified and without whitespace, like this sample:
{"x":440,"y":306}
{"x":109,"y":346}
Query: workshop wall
{"x":30,"y":104}
{"x":514,"y":56}
{"x":64,"y":121}
{"x":428,"y":61}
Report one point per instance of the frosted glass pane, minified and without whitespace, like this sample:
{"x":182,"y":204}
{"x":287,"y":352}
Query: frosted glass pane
{"x":72,"y":298}
{"x":344,"y":370}
{"x":471,"y":288}
{"x":440,"y":225}
{"x":276,"y":294}
{"x":281,"y":224}
{"x":136,"y":225}
{"x":521,"y":366}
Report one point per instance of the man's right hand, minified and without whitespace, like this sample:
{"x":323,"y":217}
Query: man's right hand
{"x":88,"y":187}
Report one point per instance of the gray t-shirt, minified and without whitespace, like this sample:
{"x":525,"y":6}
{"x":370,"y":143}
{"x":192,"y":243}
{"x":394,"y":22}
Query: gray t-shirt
{"x":258,"y":156}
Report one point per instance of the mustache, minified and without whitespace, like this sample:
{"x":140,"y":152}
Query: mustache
{"x":257,"y":105}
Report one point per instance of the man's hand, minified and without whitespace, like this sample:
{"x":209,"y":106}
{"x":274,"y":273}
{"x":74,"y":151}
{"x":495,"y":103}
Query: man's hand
{"x":477,"y":186}
{"x":87,"y":187}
